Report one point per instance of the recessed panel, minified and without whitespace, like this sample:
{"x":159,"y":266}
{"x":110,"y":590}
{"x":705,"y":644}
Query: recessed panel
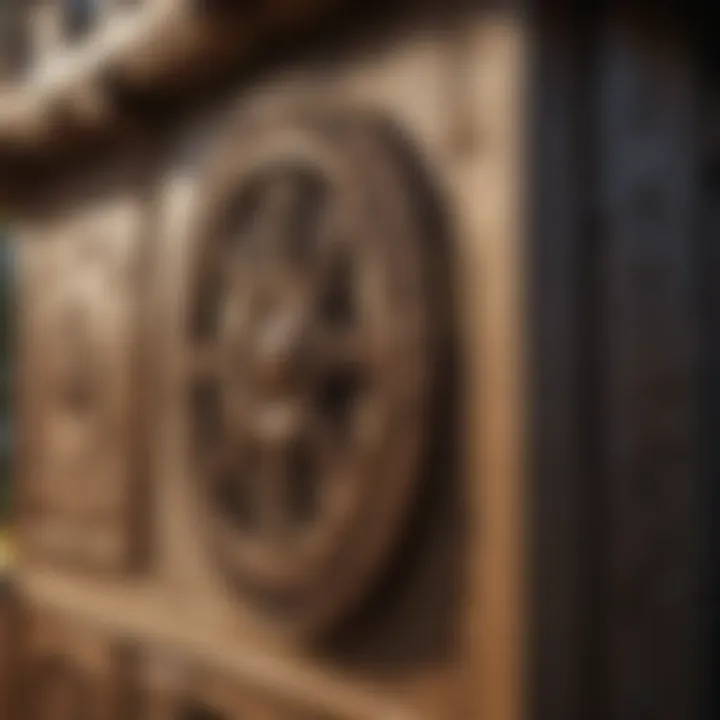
{"x":79,"y":480}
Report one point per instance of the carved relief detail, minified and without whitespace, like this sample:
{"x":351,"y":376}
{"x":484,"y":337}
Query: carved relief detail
{"x":79,"y":500}
{"x":310,"y":356}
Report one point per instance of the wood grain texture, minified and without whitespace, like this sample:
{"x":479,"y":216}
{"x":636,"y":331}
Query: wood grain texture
{"x":491,"y":278}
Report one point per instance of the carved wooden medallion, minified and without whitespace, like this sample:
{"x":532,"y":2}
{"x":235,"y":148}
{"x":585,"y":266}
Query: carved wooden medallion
{"x":310,"y":356}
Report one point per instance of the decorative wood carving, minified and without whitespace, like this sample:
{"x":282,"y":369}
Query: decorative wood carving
{"x":303,"y":338}
{"x":79,"y":495}
{"x":310,"y":355}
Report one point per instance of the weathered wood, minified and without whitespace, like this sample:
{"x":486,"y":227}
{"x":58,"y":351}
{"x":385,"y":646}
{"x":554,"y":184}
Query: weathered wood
{"x":78,"y":347}
{"x":491,"y":207}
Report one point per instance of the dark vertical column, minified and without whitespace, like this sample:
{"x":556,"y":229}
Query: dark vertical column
{"x":708,"y":274}
{"x":566,"y":669}
{"x":647,"y":113}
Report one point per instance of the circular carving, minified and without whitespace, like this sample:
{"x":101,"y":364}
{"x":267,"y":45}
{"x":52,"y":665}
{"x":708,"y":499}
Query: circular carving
{"x":311,"y":357}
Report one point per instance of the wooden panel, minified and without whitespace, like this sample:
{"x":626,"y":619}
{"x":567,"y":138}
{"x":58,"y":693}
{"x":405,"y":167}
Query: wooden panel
{"x":491,"y":286}
{"x":400,"y":628}
{"x":78,"y":458}
{"x":438,"y":633}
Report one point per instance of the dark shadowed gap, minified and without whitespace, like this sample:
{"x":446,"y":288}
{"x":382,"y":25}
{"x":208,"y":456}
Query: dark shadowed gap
{"x":567,"y":664}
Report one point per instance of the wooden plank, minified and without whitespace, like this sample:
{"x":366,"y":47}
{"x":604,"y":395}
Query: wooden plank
{"x":491,"y":286}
